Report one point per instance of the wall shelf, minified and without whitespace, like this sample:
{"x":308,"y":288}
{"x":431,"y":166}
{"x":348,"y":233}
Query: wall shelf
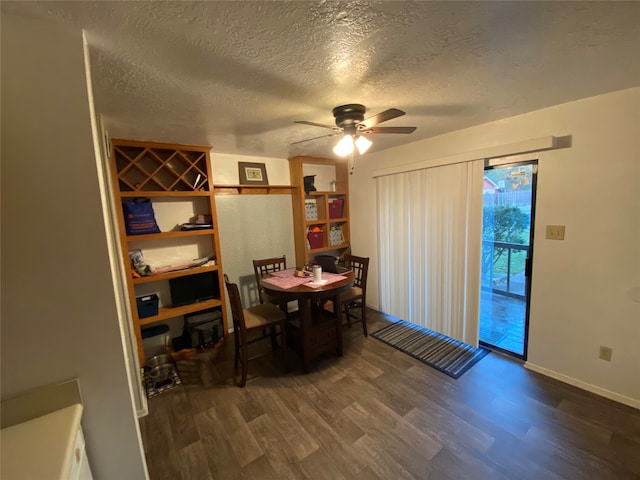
{"x":164,"y":313}
{"x":172,"y":234}
{"x":253,"y":189}
{"x":176,"y":274}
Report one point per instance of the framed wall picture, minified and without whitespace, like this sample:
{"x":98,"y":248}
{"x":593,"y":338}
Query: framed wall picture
{"x":252,"y":173}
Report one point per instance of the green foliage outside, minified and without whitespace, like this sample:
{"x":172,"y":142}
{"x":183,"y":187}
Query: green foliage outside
{"x":505,"y":224}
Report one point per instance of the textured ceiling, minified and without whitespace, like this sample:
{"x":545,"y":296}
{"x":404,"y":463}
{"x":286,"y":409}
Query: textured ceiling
{"x":235,"y":75}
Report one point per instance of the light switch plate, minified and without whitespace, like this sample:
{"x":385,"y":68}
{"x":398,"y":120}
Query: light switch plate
{"x":555,"y":232}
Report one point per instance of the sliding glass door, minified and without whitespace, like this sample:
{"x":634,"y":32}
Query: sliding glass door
{"x":507,"y":240}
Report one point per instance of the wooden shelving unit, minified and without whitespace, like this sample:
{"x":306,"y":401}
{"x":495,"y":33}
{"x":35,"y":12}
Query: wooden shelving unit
{"x":327,"y":219}
{"x":180,"y":173}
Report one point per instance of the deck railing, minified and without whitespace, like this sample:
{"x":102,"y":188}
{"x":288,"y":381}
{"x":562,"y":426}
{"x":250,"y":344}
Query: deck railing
{"x":508,"y":284}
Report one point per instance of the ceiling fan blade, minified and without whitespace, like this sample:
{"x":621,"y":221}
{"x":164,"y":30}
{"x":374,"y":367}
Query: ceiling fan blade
{"x":390,"y":130}
{"x":379,"y":118}
{"x":315,"y":138}
{"x":314,"y":124}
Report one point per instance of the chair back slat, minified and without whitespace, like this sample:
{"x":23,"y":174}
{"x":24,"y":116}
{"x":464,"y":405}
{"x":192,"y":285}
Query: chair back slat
{"x":266,"y":266}
{"x":360,"y":267}
{"x":236,"y":304}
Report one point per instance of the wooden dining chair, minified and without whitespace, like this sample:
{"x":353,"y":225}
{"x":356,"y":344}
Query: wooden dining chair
{"x":252,"y":321}
{"x":264,"y":267}
{"x":355,"y":297}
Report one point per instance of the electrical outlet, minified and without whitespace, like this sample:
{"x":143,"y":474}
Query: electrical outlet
{"x":555,"y":232}
{"x":605,"y":353}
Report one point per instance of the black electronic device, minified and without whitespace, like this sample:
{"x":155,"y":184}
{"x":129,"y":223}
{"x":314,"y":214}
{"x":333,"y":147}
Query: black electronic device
{"x":195,"y":226}
{"x":329,"y":263}
{"x":194,"y":288}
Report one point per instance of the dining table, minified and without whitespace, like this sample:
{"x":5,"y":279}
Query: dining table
{"x":316,"y":329}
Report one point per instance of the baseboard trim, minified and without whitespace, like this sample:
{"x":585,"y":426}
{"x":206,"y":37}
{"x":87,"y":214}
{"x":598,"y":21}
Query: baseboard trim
{"x":616,"y":397}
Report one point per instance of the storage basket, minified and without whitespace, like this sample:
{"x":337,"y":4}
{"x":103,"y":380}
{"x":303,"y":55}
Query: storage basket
{"x":311,"y":211}
{"x":147,"y":305}
{"x":335,"y":208}
{"x":316,"y":239}
{"x":335,"y":236}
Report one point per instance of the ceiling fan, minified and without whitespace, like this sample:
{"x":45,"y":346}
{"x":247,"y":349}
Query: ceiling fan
{"x":350,"y":121}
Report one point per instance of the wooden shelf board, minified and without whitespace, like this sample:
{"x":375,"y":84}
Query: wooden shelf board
{"x":323,"y":193}
{"x":252,"y":189}
{"x":328,"y":220}
{"x":142,"y":193}
{"x":173,"y":234}
{"x":176,"y":274}
{"x":164,"y":313}
{"x":327,"y":249}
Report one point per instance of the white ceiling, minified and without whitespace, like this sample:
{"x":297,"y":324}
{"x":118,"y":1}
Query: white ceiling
{"x":235,"y":75}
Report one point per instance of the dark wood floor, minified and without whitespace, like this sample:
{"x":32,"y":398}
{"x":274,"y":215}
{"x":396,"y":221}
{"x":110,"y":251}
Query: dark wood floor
{"x":376,"y":413}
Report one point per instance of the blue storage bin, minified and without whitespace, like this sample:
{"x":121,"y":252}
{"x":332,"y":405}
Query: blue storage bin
{"x":147,"y":305}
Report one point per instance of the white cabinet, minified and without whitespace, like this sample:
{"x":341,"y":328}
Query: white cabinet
{"x":47,"y":447}
{"x":80,"y":469}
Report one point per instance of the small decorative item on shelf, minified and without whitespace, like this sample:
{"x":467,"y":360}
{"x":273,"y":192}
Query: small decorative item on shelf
{"x":309,"y":184}
{"x":252,"y":173}
{"x":203,"y":218}
{"x":139,"y":268}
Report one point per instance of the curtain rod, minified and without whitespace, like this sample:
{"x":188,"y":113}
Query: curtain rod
{"x":526,"y":146}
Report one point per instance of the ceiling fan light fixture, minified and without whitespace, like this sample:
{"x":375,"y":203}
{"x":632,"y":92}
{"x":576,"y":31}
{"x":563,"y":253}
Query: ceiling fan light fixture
{"x":344,"y":147}
{"x":363,"y":144}
{"x":351,"y":122}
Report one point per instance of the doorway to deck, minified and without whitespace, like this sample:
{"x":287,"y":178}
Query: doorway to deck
{"x":507,"y":244}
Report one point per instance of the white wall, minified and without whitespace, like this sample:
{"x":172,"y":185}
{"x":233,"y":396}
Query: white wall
{"x":585,"y":289}
{"x":59,"y":317}
{"x":252,"y":226}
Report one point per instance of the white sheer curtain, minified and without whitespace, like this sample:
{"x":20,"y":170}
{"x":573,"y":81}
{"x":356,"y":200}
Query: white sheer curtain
{"x":430,"y":237}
